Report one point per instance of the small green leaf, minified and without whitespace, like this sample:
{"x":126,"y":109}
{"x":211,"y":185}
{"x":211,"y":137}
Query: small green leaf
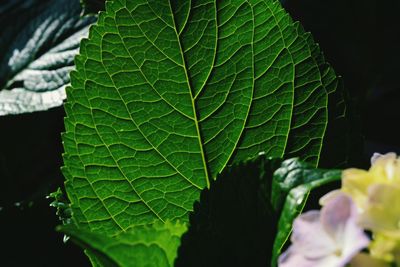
{"x":291,"y":174}
{"x":292,"y":185}
{"x":150,"y":245}
{"x":62,"y":205}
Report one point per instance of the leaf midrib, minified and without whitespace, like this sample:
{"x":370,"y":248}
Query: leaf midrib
{"x":116,"y":163}
{"x":192,"y":98}
{"x":155,"y":148}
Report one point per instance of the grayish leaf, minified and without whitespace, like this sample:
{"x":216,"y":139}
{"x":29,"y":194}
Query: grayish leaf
{"x":39,"y":46}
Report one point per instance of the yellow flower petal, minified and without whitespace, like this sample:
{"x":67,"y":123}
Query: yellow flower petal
{"x":355,"y":182}
{"x":384,"y":247}
{"x":385,"y":169}
{"x":364,"y":259}
{"x":376,"y":193}
{"x":382,"y":211}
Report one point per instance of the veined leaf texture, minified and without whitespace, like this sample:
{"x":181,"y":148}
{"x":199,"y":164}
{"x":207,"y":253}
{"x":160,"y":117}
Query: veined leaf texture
{"x":166,"y":94}
{"x":141,"y":245}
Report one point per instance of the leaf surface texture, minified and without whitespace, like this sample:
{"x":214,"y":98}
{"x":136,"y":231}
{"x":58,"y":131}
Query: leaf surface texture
{"x":155,"y":244}
{"x":166,"y":94}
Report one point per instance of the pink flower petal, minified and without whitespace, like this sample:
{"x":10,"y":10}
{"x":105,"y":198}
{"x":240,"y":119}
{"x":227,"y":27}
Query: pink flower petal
{"x":329,"y":238}
{"x":309,"y":238}
{"x":336,"y":213}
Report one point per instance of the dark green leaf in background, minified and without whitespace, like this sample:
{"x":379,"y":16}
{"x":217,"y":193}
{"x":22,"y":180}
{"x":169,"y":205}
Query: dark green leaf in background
{"x":93,"y":6}
{"x":240,"y":221}
{"x":233,"y":223}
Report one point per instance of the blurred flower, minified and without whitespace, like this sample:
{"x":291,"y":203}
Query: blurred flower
{"x":385,"y":169}
{"x":382,"y":217}
{"x":382,"y":210}
{"x":385,"y":248}
{"x":377,"y":195}
{"x":364,"y":259}
{"x":326,"y":238}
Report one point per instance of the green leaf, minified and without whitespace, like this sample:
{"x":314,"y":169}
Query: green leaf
{"x":235,"y":217}
{"x":61,"y":204}
{"x":291,"y":174}
{"x":337,"y":129}
{"x":166,"y":94}
{"x":233,"y":223}
{"x":150,"y":245}
{"x":337,"y":142}
{"x":38,"y":49}
{"x":291,"y":188}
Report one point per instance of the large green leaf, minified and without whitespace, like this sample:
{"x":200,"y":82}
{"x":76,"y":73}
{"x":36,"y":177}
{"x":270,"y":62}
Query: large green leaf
{"x":37,"y":52}
{"x":152,"y":245}
{"x":166,"y":94}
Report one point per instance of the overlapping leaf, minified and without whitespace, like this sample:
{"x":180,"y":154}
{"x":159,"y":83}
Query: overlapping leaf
{"x":166,"y":94}
{"x":151,"y":245}
{"x":234,"y":223}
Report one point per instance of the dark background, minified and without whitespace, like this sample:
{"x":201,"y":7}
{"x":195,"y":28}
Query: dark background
{"x":359,"y":38}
